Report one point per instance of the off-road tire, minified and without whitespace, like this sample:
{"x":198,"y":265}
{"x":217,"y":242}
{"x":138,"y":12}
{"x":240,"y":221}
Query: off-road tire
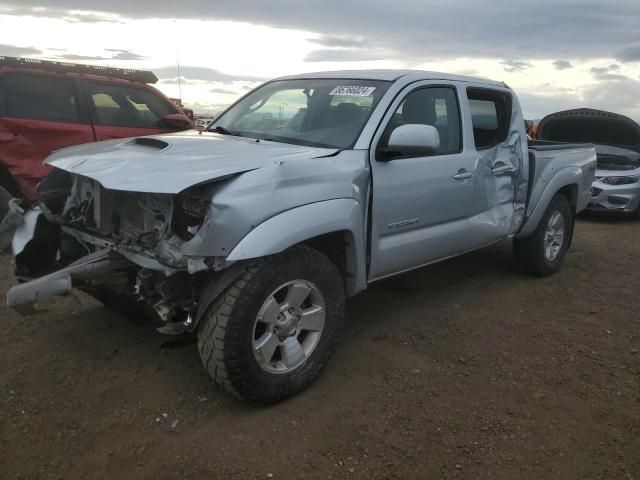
{"x":530,"y":252}
{"x":225,"y":332}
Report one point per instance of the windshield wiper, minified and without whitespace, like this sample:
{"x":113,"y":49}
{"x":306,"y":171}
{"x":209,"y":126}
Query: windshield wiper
{"x":223,"y":131}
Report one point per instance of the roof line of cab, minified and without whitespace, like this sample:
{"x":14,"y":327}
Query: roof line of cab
{"x":392,"y":76}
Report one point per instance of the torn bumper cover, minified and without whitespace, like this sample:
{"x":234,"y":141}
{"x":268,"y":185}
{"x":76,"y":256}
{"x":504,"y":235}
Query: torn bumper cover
{"x":94,"y":267}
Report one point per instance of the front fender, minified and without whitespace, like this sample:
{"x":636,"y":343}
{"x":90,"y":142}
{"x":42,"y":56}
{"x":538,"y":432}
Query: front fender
{"x":565,"y":177}
{"x":306,"y":222}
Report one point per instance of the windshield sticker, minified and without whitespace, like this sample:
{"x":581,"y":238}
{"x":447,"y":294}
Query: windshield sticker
{"x":353,"y":91}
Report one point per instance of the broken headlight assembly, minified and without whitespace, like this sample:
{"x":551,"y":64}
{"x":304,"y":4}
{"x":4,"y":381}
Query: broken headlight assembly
{"x":619,"y":180}
{"x":190,"y":210}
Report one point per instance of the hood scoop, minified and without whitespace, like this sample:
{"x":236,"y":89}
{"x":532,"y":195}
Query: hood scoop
{"x":150,"y":142}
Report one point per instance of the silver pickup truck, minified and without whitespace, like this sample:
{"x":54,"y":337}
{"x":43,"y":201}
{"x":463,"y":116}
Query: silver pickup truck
{"x":253,"y":232}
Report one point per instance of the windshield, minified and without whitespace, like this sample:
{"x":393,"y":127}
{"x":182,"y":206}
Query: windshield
{"x":323,"y":113}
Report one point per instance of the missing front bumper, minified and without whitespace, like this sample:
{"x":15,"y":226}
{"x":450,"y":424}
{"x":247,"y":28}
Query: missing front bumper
{"x":95,"y":267}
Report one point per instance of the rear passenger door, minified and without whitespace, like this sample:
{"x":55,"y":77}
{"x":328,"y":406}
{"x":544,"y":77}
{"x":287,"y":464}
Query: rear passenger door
{"x":500,"y":144}
{"x":121,"y":111}
{"x":39,"y":113}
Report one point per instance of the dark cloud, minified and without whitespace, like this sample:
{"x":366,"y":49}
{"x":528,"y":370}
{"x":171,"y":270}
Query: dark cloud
{"x":571,"y":29}
{"x":562,"y":64}
{"x":88,"y":58}
{"x":616,"y":93}
{"x":177,"y":80}
{"x":629,"y":54}
{"x":340,"y":42}
{"x":344,"y":55}
{"x":201,"y":74}
{"x":608,"y":73}
{"x":115,"y":55}
{"x":125,"y":54}
{"x":620,"y":95}
{"x":79,"y":17}
{"x":512,"y":66}
{"x":15,"y":51}
{"x":61,"y":14}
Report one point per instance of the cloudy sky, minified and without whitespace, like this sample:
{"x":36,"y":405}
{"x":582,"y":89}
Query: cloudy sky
{"x":556,"y":54}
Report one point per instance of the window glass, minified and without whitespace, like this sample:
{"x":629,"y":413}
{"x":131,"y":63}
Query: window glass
{"x":436,"y":106}
{"x":317,"y":112}
{"x":490,"y":116}
{"x":120,"y":106}
{"x":284,"y":109}
{"x":40,"y":97}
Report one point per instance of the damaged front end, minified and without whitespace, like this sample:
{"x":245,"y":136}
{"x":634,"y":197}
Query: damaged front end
{"x":113,"y":244}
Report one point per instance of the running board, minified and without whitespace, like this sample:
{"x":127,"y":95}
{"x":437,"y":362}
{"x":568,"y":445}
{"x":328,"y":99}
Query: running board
{"x":24,"y":297}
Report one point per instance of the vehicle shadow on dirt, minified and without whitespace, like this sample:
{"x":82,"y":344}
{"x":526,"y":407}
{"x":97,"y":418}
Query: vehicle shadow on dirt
{"x":606,"y":218}
{"x":438,"y":285}
{"x":91,"y":334}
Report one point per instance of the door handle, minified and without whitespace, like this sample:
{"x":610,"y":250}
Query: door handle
{"x":501,"y":169}
{"x":462,"y":175}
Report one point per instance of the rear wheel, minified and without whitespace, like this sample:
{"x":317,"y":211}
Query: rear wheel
{"x":542,"y":253}
{"x":271,"y":333}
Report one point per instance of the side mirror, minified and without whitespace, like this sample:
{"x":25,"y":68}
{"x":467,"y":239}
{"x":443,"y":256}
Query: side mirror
{"x":175,"y":121}
{"x":413,"y":140}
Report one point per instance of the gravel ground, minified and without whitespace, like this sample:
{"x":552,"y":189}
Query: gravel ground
{"x":466,"y":369}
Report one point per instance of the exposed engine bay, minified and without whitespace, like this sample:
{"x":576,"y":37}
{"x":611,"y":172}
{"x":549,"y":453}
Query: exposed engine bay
{"x":134,"y":237}
{"x":151,"y":224}
{"x":617,"y":158}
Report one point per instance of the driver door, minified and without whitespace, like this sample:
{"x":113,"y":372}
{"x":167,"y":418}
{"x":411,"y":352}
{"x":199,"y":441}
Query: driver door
{"x":422,"y":204}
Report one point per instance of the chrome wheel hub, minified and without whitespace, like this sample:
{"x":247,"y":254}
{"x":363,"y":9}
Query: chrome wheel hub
{"x":554,"y":236}
{"x":288,"y":326}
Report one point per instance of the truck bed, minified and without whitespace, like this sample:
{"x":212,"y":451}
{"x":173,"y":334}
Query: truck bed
{"x":544,"y":145}
{"x":547,"y":160}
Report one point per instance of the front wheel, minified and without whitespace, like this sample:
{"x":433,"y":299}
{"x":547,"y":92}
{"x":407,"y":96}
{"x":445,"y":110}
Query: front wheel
{"x":542,"y":253}
{"x":270,"y":334}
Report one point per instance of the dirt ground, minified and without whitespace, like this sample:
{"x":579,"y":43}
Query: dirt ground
{"x":466,"y":369}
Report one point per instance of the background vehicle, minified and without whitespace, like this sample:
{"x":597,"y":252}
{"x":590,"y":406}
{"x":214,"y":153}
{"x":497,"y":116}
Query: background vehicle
{"x":253,"y":233}
{"x":617,"y":142}
{"x":203,"y":122}
{"x":45,"y":106}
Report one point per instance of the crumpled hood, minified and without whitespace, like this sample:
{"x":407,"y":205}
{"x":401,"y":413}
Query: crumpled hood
{"x":170,"y":163}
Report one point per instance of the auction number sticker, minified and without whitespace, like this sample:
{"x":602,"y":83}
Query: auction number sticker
{"x":353,"y":91}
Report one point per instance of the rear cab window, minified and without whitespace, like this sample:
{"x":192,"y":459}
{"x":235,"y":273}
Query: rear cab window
{"x":490,"y":116}
{"x":39,"y":97}
{"x":123,"y":106}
